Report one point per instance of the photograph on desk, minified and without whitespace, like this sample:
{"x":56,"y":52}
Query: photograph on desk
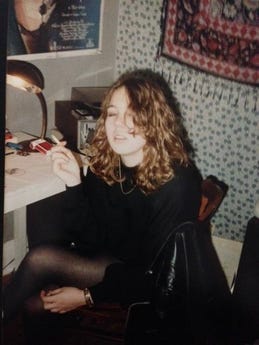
{"x":54,"y":26}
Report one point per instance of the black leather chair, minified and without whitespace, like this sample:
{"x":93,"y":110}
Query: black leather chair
{"x":191,"y":302}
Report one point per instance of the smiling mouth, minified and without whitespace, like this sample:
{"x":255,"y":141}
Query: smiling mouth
{"x":124,"y":136}
{"x":119,"y":137}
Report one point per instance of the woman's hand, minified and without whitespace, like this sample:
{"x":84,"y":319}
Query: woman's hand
{"x":63,"y":299}
{"x":65,"y":165}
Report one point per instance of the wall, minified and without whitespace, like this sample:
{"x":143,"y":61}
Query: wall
{"x":61,"y":74}
{"x":221,"y":116}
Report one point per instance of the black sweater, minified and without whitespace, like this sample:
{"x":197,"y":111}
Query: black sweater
{"x":101,"y":219}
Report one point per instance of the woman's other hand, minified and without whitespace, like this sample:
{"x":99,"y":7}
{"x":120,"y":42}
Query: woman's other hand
{"x":65,"y":165}
{"x":62,"y":300}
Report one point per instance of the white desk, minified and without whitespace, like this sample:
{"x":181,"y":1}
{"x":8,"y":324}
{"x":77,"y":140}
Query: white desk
{"x":33,"y":181}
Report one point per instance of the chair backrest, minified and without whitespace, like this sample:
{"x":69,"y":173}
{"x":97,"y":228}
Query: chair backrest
{"x":213,"y":193}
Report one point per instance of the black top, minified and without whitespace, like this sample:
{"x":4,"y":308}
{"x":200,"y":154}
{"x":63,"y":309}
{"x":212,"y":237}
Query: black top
{"x":101,"y":219}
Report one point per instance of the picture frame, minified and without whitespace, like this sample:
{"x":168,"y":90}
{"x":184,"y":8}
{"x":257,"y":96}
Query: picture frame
{"x":54,"y":28}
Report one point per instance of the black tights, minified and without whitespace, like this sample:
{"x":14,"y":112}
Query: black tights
{"x":51,"y":265}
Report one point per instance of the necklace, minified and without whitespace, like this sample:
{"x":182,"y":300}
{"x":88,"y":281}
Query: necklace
{"x":121,"y":185}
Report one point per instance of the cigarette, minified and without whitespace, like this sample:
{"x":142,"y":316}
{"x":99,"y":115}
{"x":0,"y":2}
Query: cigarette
{"x":55,"y":139}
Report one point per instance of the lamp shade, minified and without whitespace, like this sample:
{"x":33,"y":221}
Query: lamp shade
{"x":26,"y":76}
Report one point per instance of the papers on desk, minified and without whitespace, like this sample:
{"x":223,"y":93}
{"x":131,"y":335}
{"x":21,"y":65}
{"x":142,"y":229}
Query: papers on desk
{"x":10,"y":137}
{"x":29,"y":179}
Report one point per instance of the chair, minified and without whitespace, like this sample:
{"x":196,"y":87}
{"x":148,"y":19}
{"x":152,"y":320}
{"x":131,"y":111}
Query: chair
{"x":213,"y":193}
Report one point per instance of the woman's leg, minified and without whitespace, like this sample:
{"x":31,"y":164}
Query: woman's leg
{"x":45,"y":265}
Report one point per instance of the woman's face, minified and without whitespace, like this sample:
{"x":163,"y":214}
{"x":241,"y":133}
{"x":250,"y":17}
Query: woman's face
{"x":124,"y":138}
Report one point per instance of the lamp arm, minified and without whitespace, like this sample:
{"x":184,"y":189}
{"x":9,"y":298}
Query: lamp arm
{"x":44,"y":114}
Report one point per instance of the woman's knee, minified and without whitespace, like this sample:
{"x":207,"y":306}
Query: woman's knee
{"x":40,"y":258}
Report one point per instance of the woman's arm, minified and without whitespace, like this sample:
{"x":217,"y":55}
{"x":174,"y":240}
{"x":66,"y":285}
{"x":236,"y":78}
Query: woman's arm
{"x":81,"y":220}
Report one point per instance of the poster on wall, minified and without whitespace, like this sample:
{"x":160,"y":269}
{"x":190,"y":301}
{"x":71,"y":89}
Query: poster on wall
{"x":218,"y":37}
{"x":54,"y":28}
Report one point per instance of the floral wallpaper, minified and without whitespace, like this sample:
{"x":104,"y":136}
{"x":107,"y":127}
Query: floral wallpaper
{"x":221,"y":116}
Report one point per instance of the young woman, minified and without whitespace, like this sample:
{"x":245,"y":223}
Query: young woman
{"x":140,"y":184}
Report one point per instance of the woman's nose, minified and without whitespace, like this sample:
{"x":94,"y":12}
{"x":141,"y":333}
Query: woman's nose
{"x":120,"y":120}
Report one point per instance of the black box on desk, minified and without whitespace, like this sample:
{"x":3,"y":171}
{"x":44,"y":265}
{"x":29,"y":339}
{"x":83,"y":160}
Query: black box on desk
{"x":76,"y":122}
{"x":76,"y":119}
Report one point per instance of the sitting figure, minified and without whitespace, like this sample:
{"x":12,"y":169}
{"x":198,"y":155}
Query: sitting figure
{"x":140,"y":183}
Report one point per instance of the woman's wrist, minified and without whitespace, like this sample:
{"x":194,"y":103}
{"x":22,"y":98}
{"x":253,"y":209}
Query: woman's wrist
{"x":88,"y":298}
{"x":73,"y":183}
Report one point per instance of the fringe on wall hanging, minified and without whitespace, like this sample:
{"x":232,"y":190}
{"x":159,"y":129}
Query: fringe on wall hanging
{"x":234,"y":94}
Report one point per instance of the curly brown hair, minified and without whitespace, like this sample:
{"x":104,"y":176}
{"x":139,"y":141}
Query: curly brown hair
{"x":160,"y":124}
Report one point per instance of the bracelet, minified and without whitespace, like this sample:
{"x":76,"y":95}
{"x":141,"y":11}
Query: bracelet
{"x":88,"y":298}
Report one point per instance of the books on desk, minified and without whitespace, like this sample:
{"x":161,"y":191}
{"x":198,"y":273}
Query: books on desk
{"x":10,"y":138}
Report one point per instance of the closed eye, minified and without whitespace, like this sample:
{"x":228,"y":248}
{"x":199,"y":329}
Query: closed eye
{"x":111,"y":114}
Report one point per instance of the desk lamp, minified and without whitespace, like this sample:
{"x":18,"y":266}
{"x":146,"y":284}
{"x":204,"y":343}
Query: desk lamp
{"x":25,"y":76}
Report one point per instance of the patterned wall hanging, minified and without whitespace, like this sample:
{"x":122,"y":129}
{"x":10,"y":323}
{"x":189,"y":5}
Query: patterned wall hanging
{"x":217,"y":36}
